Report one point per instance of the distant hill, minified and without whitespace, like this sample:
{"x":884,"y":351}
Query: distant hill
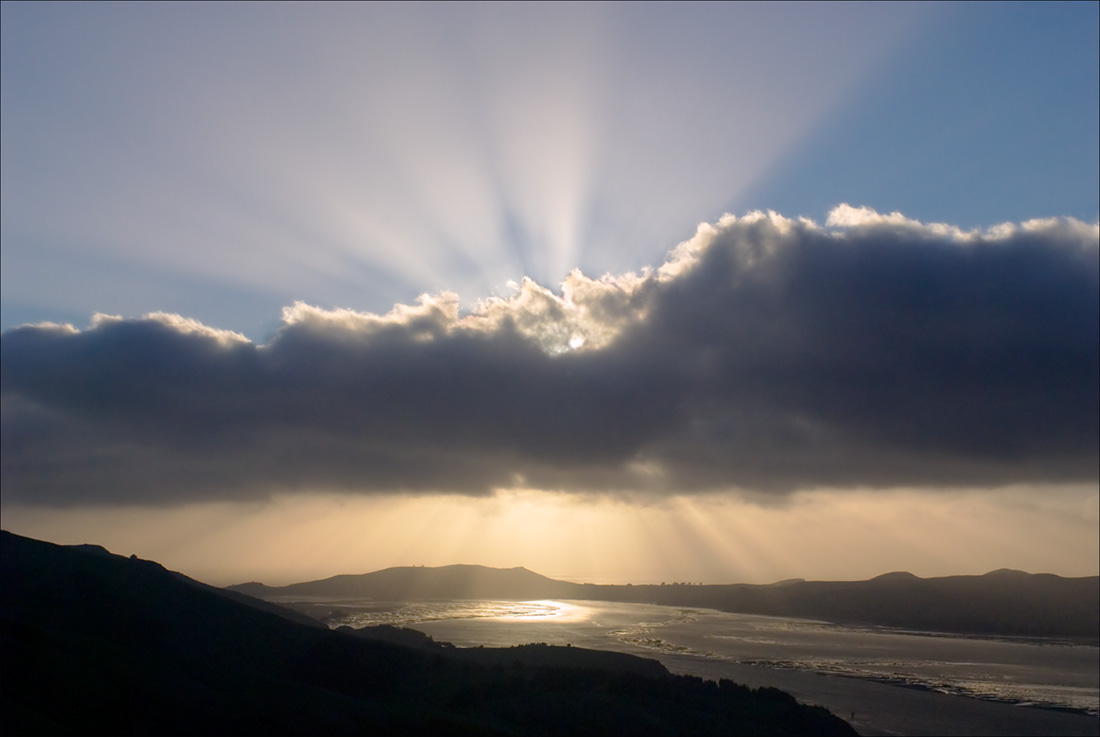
{"x":411,"y":583}
{"x":1000,"y":603}
{"x":94,"y":643}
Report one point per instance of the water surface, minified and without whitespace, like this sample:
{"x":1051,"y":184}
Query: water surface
{"x":1036,"y":673}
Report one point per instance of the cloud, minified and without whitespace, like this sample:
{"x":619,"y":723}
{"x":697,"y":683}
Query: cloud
{"x":225,"y":162}
{"x":766,"y":354}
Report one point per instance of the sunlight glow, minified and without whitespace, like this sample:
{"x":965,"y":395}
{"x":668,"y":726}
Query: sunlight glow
{"x":544,"y":610}
{"x":598,"y":540}
{"x":420,"y":154}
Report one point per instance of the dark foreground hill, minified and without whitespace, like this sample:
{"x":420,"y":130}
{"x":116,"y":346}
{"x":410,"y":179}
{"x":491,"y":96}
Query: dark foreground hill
{"x":1000,"y":603}
{"x":94,"y":643}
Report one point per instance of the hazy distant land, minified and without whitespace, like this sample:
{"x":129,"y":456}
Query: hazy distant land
{"x":1040,"y":609}
{"x":95,"y":643}
{"x":999,"y":603}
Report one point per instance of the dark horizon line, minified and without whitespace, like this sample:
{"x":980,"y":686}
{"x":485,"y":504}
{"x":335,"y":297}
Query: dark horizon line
{"x":889,"y":574}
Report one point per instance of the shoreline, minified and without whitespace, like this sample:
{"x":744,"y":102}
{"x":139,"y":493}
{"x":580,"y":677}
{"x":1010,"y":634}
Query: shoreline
{"x":1018,"y":703}
{"x":875,"y":705}
{"x":917,"y":686}
{"x":875,"y":708}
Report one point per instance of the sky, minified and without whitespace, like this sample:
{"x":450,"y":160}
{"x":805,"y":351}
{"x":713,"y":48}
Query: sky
{"x":615,"y":292}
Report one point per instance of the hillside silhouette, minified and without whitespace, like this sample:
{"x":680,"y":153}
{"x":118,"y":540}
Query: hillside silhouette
{"x":1000,"y":603}
{"x":95,"y":643}
{"x":410,"y":583}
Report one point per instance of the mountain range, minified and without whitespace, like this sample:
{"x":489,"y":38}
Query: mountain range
{"x":1000,"y":603}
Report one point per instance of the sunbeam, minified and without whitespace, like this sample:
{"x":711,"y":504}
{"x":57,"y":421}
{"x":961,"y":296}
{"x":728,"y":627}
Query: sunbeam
{"x":502,"y":143}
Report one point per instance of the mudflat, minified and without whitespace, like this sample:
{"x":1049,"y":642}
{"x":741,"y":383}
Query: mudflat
{"x":881,"y":709}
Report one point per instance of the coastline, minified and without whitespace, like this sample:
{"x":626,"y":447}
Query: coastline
{"x":876,"y":708}
{"x":873,"y":705}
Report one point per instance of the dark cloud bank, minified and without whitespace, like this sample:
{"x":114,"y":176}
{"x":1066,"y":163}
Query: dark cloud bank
{"x":766,"y":354}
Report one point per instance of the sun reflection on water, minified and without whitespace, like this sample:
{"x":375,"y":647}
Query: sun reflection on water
{"x":547,"y":609}
{"x":1053,"y":675}
{"x":404,"y":614}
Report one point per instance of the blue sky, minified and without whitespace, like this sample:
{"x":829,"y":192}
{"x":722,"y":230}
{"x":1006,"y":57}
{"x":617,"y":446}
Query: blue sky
{"x":221,"y":162}
{"x":837,"y":264}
